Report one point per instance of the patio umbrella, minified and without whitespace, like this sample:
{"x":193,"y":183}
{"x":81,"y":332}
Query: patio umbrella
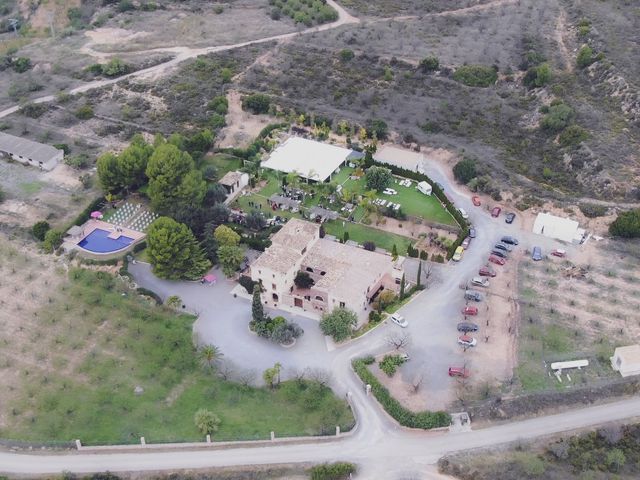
{"x":210,"y":278}
{"x":96,"y":214}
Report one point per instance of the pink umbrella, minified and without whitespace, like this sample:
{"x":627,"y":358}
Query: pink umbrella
{"x":96,"y":214}
{"x":210,"y":278}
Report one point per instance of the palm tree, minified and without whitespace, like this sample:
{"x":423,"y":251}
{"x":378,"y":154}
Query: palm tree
{"x":209,"y":355}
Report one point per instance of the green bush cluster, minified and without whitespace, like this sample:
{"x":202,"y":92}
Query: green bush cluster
{"x":390,"y":363}
{"x":307,"y":12}
{"x":332,"y":471}
{"x":425,"y":419}
{"x":592,"y":210}
{"x":256,"y":103}
{"x":626,"y":225}
{"x":476,"y":75}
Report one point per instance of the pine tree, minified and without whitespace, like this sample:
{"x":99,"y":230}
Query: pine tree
{"x":402,"y":287}
{"x":419,"y":278}
{"x":394,"y":252}
{"x":257,"y":310}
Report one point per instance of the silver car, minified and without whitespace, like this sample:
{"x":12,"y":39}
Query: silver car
{"x":399,"y":320}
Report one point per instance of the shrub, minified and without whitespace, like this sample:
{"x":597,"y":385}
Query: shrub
{"x":149,"y":293}
{"x":377,"y":127}
{"x":21,"y":64}
{"x":476,"y":75}
{"x":403,"y":416}
{"x":33,"y":110}
{"x":465,"y":170}
{"x":429,"y":64}
{"x":52,"y":240}
{"x":256,"y":103}
{"x":374,"y":316}
{"x":626,"y":225}
{"x":247,"y":283}
{"x":390,"y":364}
{"x":537,"y":76}
{"x":219,"y":105}
{"x":207,"y":422}
{"x":558,"y":117}
{"x":332,"y":471}
{"x":125,"y":6}
{"x":585,"y":57}
{"x":591,"y":210}
{"x":346,"y":55}
{"x":115,"y":68}
{"x":339,"y":323}
{"x":369,"y":245}
{"x":85,"y":112}
{"x":573,"y":135}
{"x":40,"y":229}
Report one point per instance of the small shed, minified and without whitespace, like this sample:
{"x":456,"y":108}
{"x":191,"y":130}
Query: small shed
{"x":234,"y":182}
{"x":626,"y":360}
{"x":425,"y":188}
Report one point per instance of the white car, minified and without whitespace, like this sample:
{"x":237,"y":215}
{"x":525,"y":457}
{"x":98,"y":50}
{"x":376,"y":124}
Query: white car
{"x":399,"y":320}
{"x":464,"y":214}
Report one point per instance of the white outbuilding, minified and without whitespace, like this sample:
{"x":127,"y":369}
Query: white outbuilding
{"x":559,"y":228}
{"x":29,"y":152}
{"x":425,"y":188}
{"x":626,"y":360}
{"x":311,"y":160}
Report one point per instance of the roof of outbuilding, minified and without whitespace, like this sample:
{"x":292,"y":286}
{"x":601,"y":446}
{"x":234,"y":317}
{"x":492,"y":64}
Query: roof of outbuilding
{"x":35,"y":151}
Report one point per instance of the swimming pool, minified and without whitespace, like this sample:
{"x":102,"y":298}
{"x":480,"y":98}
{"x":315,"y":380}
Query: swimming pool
{"x":98,"y":241}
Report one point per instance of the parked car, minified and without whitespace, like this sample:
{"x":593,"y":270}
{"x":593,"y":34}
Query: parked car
{"x":458,"y":372}
{"x":466,"y":242}
{"x":457,"y":255}
{"x":499,"y":253}
{"x":467,"y":327}
{"x":472,"y":232}
{"x":497,"y":260}
{"x":559,"y":253}
{"x":399,"y":320}
{"x":476,"y":200}
{"x":470,"y":311}
{"x":467,"y":341}
{"x":503,"y":246}
{"x":473,"y":295}
{"x":486,"y":272}
{"x":509,"y":217}
{"x":495,"y":213}
{"x":509,"y":240}
{"x":536,"y":254}
{"x":480,"y":281}
{"x":463,"y":212}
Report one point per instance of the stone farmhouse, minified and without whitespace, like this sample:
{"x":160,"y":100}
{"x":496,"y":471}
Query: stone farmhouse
{"x":344,"y":275}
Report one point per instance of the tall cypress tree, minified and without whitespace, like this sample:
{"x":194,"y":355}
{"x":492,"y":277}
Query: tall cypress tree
{"x":402,"y":287}
{"x":257,"y":310}
{"x":419,"y":277}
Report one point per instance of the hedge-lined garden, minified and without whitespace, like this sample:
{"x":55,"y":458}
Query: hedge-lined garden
{"x":425,"y":419}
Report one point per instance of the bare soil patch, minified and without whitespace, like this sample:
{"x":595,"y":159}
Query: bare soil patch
{"x":242,"y":127}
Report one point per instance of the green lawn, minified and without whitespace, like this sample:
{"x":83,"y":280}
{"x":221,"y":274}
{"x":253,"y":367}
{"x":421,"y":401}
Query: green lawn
{"x":106,"y":343}
{"x":362,"y":233}
{"x":31,"y":188}
{"x":223,"y":162}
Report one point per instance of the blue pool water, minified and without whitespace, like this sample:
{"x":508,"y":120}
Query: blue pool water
{"x":98,"y":241}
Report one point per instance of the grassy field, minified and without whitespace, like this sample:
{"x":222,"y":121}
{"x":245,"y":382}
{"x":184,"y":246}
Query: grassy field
{"x":94,"y":341}
{"x":362,"y":233}
{"x":223,"y":162}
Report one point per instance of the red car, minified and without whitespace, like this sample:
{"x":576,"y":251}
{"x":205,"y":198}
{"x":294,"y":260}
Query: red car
{"x":559,"y":253}
{"x":458,"y":372}
{"x":486,"y":272}
{"x":496,"y":260}
{"x":470,"y":311}
{"x":495,"y":213}
{"x":476,"y":200}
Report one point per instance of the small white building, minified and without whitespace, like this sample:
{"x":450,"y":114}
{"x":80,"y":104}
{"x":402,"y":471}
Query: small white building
{"x":311,"y":160}
{"x":559,"y":228}
{"x":425,"y":188}
{"x":400,"y":157}
{"x":626,"y":360}
{"x":28,"y":152}
{"x":234,"y":182}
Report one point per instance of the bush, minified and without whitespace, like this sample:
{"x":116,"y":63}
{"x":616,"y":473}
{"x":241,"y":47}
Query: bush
{"x":52,"y":240}
{"x":627,"y":225}
{"x":33,"y":110}
{"x":247,"y":283}
{"x":476,"y":75}
{"x":207,"y":422}
{"x":369,"y":246}
{"x":256,"y":103}
{"x":339,"y":323}
{"x":465,"y":170}
{"x":591,"y":210}
{"x":346,"y":55}
{"x":558,"y":117}
{"x":332,"y":471}
{"x":585,"y":57}
{"x":40,"y":229}
{"x":85,"y":112}
{"x":374,"y":317}
{"x":149,"y":293}
{"x":430,"y":64}
{"x":537,"y":76}
{"x":390,"y":364}
{"x":21,"y":64}
{"x":115,"y":68}
{"x":405,"y":417}
{"x":573,"y":135}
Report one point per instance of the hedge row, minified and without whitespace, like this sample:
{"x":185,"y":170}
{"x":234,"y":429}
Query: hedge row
{"x":437,"y":191}
{"x":405,"y":417}
{"x":85,"y":215}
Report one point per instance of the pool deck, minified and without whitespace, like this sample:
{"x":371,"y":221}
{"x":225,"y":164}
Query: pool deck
{"x":71,"y":242}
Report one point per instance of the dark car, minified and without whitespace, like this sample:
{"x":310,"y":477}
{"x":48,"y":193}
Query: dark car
{"x":499,"y":253}
{"x":536,"y":254}
{"x":472,"y":232}
{"x":509,"y":240}
{"x":467,"y":327}
{"x":502,"y":246}
{"x":509,"y":217}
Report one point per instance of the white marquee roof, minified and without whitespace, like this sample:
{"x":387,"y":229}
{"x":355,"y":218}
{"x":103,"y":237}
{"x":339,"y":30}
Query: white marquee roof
{"x":308,"y":158}
{"x":557,"y":227}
